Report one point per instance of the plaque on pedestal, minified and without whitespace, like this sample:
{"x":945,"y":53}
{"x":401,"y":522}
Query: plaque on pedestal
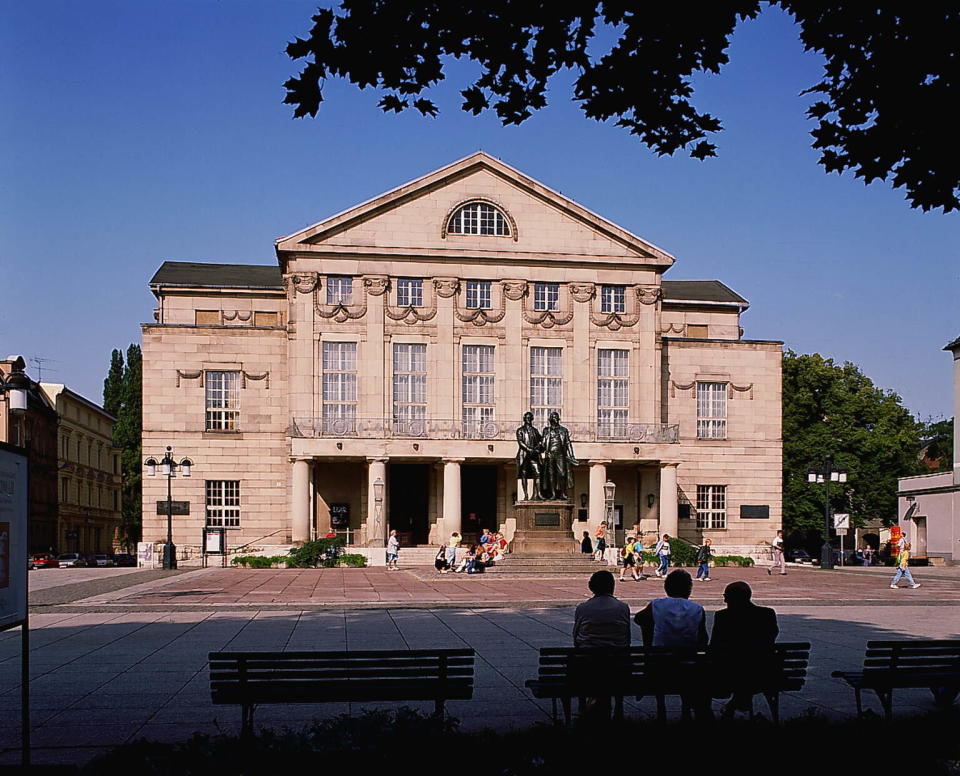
{"x":544,"y":527}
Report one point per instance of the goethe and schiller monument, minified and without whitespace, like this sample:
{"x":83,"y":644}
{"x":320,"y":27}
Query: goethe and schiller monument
{"x":379,"y":366}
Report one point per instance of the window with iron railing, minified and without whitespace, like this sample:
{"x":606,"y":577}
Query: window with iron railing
{"x":546,"y":383}
{"x":340,"y":385}
{"x":612,"y":392}
{"x":223,"y":400}
{"x":478,"y":388}
{"x":409,"y":388}
{"x":711,"y":410}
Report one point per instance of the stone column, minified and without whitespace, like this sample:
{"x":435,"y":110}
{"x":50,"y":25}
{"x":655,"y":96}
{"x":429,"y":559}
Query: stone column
{"x":669,"y":521}
{"x":598,"y":506}
{"x":451,"y":495}
{"x":376,"y":513}
{"x":300,"y":508}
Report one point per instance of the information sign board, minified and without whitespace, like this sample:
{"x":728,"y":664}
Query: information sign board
{"x":13,"y":537}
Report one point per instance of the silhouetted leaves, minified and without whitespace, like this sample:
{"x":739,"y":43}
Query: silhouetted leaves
{"x":890,"y":73}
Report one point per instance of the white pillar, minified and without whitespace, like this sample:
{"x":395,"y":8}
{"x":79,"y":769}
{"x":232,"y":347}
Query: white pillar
{"x":598,"y":506}
{"x":300,"y":508}
{"x":451,"y":495}
{"x":669,"y":521}
{"x":376,"y":517}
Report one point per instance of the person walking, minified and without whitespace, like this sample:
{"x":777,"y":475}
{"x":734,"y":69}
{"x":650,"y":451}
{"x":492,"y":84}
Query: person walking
{"x":393,"y":551}
{"x":704,"y":556}
{"x":452,"y":545}
{"x":628,"y":553}
{"x":779,"y":559}
{"x":662,"y":551}
{"x":903,"y":567}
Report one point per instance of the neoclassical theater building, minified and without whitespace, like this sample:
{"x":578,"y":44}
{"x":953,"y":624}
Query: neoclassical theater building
{"x":374,"y":377}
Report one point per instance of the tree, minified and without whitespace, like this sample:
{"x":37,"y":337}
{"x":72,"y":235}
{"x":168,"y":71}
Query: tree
{"x":831,"y":409}
{"x":124,"y":395}
{"x":937,"y":445}
{"x":888,"y":71}
{"x":113,"y":384}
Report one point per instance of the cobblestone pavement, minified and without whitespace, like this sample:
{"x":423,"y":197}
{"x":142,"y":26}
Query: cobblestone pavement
{"x":132,"y":663}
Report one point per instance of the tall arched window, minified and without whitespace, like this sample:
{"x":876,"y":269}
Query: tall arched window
{"x":478,"y":218}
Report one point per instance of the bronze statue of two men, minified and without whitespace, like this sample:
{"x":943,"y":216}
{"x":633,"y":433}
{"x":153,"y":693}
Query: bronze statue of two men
{"x":545,"y":457}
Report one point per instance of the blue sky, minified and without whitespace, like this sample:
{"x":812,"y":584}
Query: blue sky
{"x":136,"y":132}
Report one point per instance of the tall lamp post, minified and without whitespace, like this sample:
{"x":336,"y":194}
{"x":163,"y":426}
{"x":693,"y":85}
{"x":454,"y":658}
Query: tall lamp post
{"x":825,"y":476}
{"x":378,"y":512}
{"x":609,"y":492}
{"x":168,"y":468}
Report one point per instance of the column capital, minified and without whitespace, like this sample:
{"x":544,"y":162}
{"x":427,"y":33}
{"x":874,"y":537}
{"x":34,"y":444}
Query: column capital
{"x":452,"y":460}
{"x":301,"y":459}
{"x":378,"y":459}
{"x":665,"y":464}
{"x":600,"y":461}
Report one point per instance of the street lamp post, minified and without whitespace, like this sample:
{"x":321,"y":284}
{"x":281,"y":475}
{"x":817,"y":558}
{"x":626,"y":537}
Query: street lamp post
{"x":168,"y":467}
{"x":825,"y":476}
{"x":609,"y":492}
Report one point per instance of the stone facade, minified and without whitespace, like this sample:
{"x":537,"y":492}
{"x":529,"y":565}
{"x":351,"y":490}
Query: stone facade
{"x":401,"y":341}
{"x":88,"y":472}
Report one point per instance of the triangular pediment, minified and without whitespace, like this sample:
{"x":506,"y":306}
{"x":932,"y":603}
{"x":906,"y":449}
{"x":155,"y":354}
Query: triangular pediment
{"x":412,"y":218}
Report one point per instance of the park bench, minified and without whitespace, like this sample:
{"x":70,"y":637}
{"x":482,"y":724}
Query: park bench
{"x":248,"y":679}
{"x":568,"y":672}
{"x":915,"y":664}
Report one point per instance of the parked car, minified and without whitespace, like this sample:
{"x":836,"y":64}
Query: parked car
{"x":124,"y":559}
{"x":102,"y":559}
{"x":74,"y":559}
{"x":799,"y":556}
{"x":44,"y":560}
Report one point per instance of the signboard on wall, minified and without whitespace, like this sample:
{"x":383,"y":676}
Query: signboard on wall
{"x":340,"y":515}
{"x":213,"y":541}
{"x":13,"y":537}
{"x":145,"y":554}
{"x":176,"y":507}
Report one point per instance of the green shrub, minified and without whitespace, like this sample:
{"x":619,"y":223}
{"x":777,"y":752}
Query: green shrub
{"x":318,"y":552}
{"x":355,"y":560}
{"x":733,"y":560}
{"x":260,"y":561}
{"x":682,"y":553}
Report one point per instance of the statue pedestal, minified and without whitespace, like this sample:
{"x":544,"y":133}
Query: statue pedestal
{"x":544,"y":527}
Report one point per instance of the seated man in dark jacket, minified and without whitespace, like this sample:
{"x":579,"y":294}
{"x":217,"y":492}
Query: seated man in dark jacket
{"x":743,"y":637}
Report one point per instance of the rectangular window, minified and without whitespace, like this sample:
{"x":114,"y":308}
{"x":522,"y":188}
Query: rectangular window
{"x":711,"y":410}
{"x":223,"y":400}
{"x":266,"y":319}
{"x":546,"y":296}
{"x":65,"y":489}
{"x":223,"y":503}
{"x":613,"y":299}
{"x":409,"y":389}
{"x":206,"y":317}
{"x":478,"y":390}
{"x":339,"y":387}
{"x":546,"y":383}
{"x":409,"y":292}
{"x":711,"y":506}
{"x":612,"y":393}
{"x":478,"y":294}
{"x":339,"y":291}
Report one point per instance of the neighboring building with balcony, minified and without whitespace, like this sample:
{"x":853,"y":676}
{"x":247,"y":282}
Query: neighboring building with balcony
{"x":88,"y":473}
{"x":402,"y":340}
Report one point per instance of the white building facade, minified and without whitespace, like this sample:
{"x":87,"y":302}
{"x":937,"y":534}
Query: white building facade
{"x":401,"y":341}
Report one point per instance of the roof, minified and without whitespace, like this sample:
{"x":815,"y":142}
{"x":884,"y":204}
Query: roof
{"x":53,"y":390}
{"x":199,"y":274}
{"x":700,"y":291}
{"x":304,"y":238}
{"x":955,"y":345}
{"x":204,"y":275}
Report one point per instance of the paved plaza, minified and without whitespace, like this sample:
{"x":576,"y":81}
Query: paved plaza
{"x":112,"y":663}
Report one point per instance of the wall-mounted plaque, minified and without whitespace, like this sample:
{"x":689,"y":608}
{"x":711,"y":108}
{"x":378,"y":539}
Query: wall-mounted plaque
{"x":547,"y":519}
{"x":340,"y":515}
{"x":754,"y":512}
